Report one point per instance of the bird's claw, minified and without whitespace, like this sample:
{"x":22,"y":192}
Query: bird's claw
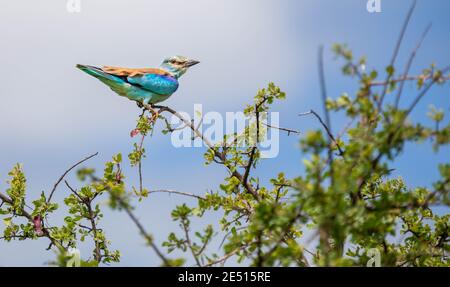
{"x":155,"y":115}
{"x":149,"y":107}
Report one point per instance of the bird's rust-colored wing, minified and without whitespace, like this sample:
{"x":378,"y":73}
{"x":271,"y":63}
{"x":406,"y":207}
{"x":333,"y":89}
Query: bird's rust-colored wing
{"x":131,"y":72}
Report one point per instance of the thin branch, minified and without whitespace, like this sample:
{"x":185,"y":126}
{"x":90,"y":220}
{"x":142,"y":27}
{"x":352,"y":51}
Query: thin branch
{"x":323,"y":90}
{"x":229,"y":233}
{"x":425,"y":90}
{"x":200,"y":251}
{"x":143,"y":232}
{"x":66,"y":172}
{"x":246,"y":212}
{"x":407,"y":78}
{"x":140,"y":150}
{"x":277,"y":197}
{"x":98,"y":255}
{"x":330,"y":135}
{"x":185,"y":121}
{"x":249,"y":165}
{"x":177,"y":192}
{"x":226,"y":256}
{"x":345,"y":129}
{"x":396,"y":50}
{"x":289,"y":131}
{"x":91,"y":218}
{"x":257,"y":120}
{"x":85,"y":227}
{"x":172,"y":129}
{"x":189,"y":244}
{"x":82,"y":200}
{"x":140,"y":164}
{"x":408,"y":65}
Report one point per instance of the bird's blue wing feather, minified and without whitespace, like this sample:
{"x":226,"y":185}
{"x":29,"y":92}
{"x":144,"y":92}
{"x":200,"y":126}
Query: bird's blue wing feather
{"x":159,"y":84}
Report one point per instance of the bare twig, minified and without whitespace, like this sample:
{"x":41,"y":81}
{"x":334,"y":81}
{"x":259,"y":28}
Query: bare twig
{"x":330,"y":135}
{"x":249,"y":165}
{"x":74,"y":192}
{"x":177,"y":192}
{"x":189,"y":243}
{"x":396,"y":50}
{"x":226,"y":256}
{"x":407,"y":78}
{"x":200,"y":251}
{"x":236,"y":208}
{"x":408,"y":65}
{"x":323,"y":90}
{"x":289,"y":131}
{"x":66,"y":172}
{"x":345,"y":129}
{"x":229,"y":233}
{"x":172,"y":129}
{"x":143,"y":232}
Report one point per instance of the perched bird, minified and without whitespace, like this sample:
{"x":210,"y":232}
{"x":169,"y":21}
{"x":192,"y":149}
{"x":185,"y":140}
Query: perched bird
{"x":143,"y":85}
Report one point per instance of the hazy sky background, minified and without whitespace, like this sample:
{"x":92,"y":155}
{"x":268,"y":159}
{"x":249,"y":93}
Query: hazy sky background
{"x":52,"y":115}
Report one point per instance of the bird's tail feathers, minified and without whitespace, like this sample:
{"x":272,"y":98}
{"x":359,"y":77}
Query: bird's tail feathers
{"x":115,"y":83}
{"x":98,"y":73}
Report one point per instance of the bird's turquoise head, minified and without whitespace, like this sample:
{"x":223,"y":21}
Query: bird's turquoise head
{"x":178,"y":65}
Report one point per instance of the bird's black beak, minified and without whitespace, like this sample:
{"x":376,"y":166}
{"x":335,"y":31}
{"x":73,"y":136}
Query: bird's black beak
{"x":191,"y":63}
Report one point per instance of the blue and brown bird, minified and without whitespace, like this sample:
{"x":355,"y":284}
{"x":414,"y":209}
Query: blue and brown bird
{"x":143,"y":85}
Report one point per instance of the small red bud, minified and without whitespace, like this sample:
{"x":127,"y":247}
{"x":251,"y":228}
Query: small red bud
{"x":118,"y":176}
{"x":134,"y":132}
{"x":37,"y":221}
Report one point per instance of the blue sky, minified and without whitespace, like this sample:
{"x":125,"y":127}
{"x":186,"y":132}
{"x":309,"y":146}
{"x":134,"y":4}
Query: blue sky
{"x":53,"y":115}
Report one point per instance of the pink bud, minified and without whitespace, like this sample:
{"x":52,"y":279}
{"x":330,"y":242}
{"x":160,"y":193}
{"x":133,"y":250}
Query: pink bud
{"x":134,"y":132}
{"x":37,"y":221}
{"x":118,"y":176}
